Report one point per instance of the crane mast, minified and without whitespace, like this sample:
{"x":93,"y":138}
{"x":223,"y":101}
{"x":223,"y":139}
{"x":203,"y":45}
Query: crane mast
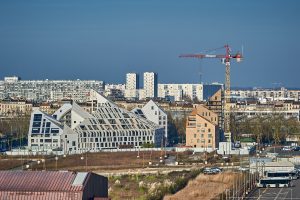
{"x":225,"y":59}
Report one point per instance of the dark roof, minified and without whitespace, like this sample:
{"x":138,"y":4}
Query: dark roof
{"x":42,"y":181}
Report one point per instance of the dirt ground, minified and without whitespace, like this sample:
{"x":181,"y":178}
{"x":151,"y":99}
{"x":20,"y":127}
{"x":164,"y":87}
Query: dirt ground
{"x":6,"y":164}
{"x":204,"y":187}
{"x":101,"y":161}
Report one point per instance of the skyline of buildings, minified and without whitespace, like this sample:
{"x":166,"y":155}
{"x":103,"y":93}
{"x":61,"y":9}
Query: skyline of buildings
{"x":78,"y":90}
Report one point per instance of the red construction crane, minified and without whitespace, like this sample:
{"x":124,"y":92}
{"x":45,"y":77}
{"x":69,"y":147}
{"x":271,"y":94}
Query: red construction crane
{"x":226,"y":60}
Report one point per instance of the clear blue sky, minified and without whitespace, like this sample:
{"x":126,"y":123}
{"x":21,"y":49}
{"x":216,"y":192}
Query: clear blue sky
{"x":104,"y":39}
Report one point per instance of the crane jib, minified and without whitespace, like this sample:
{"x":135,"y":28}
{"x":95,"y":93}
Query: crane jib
{"x":210,"y":56}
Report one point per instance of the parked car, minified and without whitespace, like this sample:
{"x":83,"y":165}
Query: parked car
{"x":213,"y":170}
{"x":217,"y":169}
{"x":296,"y":148}
{"x":286,"y":148}
{"x":243,"y":169}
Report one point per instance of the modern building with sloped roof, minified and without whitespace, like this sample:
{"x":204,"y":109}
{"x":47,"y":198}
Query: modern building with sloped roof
{"x":73,"y":130}
{"x":56,"y":185}
{"x":153,"y":112}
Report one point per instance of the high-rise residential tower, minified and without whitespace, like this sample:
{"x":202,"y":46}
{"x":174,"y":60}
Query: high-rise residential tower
{"x":132,"y":85}
{"x":150,"y":84}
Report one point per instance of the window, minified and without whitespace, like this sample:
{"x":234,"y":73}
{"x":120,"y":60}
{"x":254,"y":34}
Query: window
{"x":48,"y":124}
{"x":37,"y":117}
{"x":195,"y":135}
{"x":47,"y":130}
{"x":209,"y":135}
{"x":209,"y":130}
{"x":73,"y":143}
{"x":54,"y":130}
{"x":205,"y":124}
{"x":35,"y":130}
{"x":36,"y":124}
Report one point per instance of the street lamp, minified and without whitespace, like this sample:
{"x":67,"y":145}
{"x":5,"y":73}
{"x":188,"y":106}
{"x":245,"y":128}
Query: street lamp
{"x":56,"y":159}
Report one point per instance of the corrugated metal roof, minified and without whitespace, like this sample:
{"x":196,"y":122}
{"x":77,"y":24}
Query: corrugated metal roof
{"x":39,"y":181}
{"x":15,"y":195}
{"x":79,"y":179}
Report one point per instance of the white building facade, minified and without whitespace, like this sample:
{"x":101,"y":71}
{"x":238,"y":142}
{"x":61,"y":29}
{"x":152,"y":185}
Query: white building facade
{"x":178,"y":91}
{"x":49,"y":90}
{"x":267,"y":94}
{"x":132,"y":85}
{"x":150,"y":84}
{"x":154,"y":113}
{"x":44,"y":132}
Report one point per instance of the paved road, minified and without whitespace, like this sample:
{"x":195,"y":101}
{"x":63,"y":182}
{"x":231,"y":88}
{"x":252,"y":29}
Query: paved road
{"x":291,"y":193}
{"x":282,"y":153}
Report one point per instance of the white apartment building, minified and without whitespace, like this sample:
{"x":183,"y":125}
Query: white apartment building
{"x":154,"y":113}
{"x":49,"y":90}
{"x":178,"y":91}
{"x":74,"y":130}
{"x":250,"y":110}
{"x":11,"y":79}
{"x":267,"y":94}
{"x":132,"y":85}
{"x":116,"y":90}
{"x":44,"y":132}
{"x":132,"y":81}
{"x":150,"y":84}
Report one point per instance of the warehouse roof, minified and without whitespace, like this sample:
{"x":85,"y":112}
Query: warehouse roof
{"x":42,"y":181}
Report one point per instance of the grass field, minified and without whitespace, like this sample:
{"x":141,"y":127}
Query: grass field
{"x":147,"y":187}
{"x":205,"y":187}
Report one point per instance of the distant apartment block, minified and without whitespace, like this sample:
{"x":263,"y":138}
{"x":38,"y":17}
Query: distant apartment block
{"x":11,"y":79}
{"x":267,"y":94}
{"x":202,"y":129}
{"x":150,"y":85}
{"x":132,"y":85}
{"x":48,"y":90}
{"x":251,"y":109}
{"x":114,"y":90}
{"x":180,"y":91}
{"x":73,"y":130}
{"x":14,"y":107}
